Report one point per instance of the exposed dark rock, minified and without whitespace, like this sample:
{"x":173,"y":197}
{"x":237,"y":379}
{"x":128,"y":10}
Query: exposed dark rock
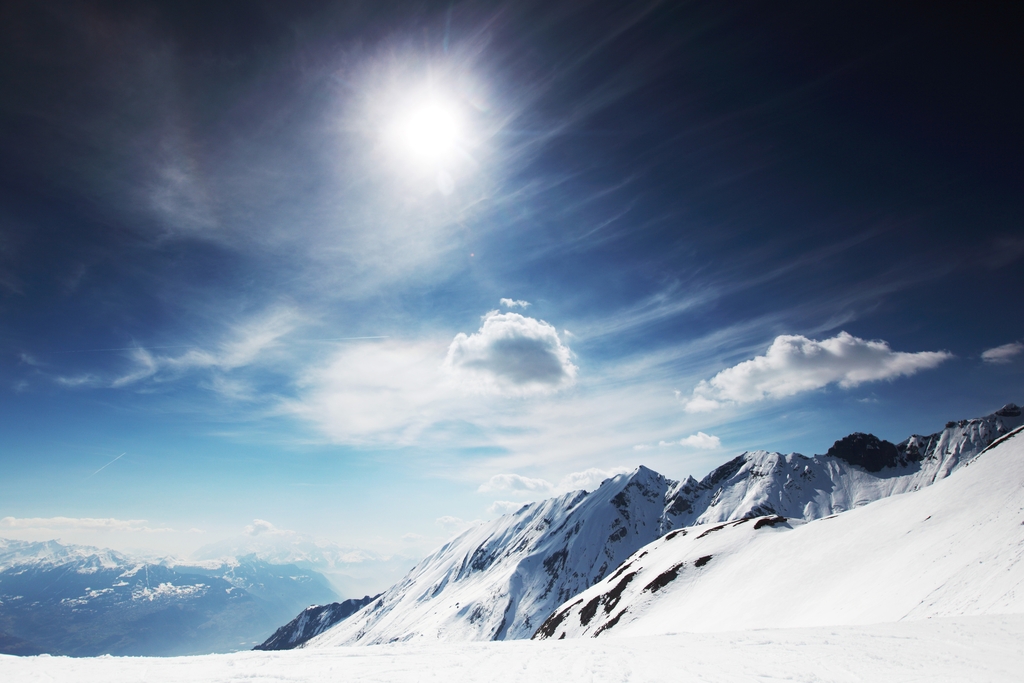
{"x":712,"y":529}
{"x":589,"y":610}
{"x":723,"y":472}
{"x":611,"y":622}
{"x":612,"y":597}
{"x":865,"y":450}
{"x":701,"y":561}
{"x":680,"y":505}
{"x":1009,"y":410}
{"x":769,"y":521}
{"x":663,"y":579}
{"x":551,"y":624}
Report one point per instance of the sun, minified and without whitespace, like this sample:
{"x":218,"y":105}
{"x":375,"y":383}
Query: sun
{"x":429,"y":132}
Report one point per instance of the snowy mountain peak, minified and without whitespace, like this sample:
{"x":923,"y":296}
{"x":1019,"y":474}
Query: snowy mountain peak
{"x":947,"y":550}
{"x":502,"y":579}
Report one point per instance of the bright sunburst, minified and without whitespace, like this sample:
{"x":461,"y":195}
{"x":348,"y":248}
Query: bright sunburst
{"x":430,"y":132}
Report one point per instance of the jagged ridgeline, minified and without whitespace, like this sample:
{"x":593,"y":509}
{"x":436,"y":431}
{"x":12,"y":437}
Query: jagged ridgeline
{"x":502,"y":580}
{"x":948,"y":550}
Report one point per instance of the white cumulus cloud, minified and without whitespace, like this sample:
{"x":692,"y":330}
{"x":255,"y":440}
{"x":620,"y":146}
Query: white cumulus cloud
{"x":514,"y":303}
{"x":795,"y":364}
{"x":1003,"y":354}
{"x":511,"y":354}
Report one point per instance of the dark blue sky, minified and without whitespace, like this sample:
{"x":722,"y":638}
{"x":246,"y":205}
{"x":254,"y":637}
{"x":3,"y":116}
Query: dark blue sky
{"x":261,"y":248}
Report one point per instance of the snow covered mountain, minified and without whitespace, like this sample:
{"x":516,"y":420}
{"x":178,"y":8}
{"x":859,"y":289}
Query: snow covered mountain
{"x":855,"y":471}
{"x":952,"y":549}
{"x":501,"y":580}
{"x":311,"y":622}
{"x":78,"y":600}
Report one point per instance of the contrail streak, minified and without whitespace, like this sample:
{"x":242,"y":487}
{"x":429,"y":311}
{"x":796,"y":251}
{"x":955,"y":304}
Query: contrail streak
{"x":107,"y":465}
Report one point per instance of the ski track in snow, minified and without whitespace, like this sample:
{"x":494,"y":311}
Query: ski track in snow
{"x":985,"y":648}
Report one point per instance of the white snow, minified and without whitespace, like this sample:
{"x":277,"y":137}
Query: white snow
{"x":954,"y":548}
{"x":986,"y":649}
{"x":168,"y":590}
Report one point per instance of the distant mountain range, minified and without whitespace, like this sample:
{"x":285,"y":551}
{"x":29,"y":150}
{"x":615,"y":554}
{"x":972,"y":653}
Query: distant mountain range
{"x":351,"y":571}
{"x":83,"y":601}
{"x":502,"y":580}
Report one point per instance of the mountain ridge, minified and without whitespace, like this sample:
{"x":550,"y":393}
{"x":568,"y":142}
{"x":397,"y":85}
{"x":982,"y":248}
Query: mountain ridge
{"x":952,"y":549}
{"x":501,"y":579}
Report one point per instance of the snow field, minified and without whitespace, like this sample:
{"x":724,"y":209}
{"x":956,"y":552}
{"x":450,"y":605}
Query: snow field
{"x":987,"y":649}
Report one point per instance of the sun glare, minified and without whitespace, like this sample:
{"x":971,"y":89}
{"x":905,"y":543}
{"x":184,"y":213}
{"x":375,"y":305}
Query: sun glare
{"x":430,"y":132}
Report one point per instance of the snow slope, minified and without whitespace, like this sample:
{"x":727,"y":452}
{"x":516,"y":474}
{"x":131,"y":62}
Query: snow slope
{"x":978,"y":649}
{"x":955,"y":548}
{"x":501,"y":580}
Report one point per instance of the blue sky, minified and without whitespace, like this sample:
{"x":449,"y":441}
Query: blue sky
{"x":372,"y":271}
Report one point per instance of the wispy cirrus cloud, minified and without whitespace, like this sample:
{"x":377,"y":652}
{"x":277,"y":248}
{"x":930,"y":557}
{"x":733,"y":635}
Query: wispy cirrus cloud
{"x":244,"y":344}
{"x":1003,"y":354}
{"x":795,"y":364}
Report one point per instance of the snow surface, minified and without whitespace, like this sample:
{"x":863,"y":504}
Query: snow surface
{"x":986,"y":649}
{"x":954,"y":548}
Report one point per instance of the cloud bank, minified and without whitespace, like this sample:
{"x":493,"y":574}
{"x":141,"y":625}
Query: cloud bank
{"x":794,"y":364}
{"x":511,"y":354}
